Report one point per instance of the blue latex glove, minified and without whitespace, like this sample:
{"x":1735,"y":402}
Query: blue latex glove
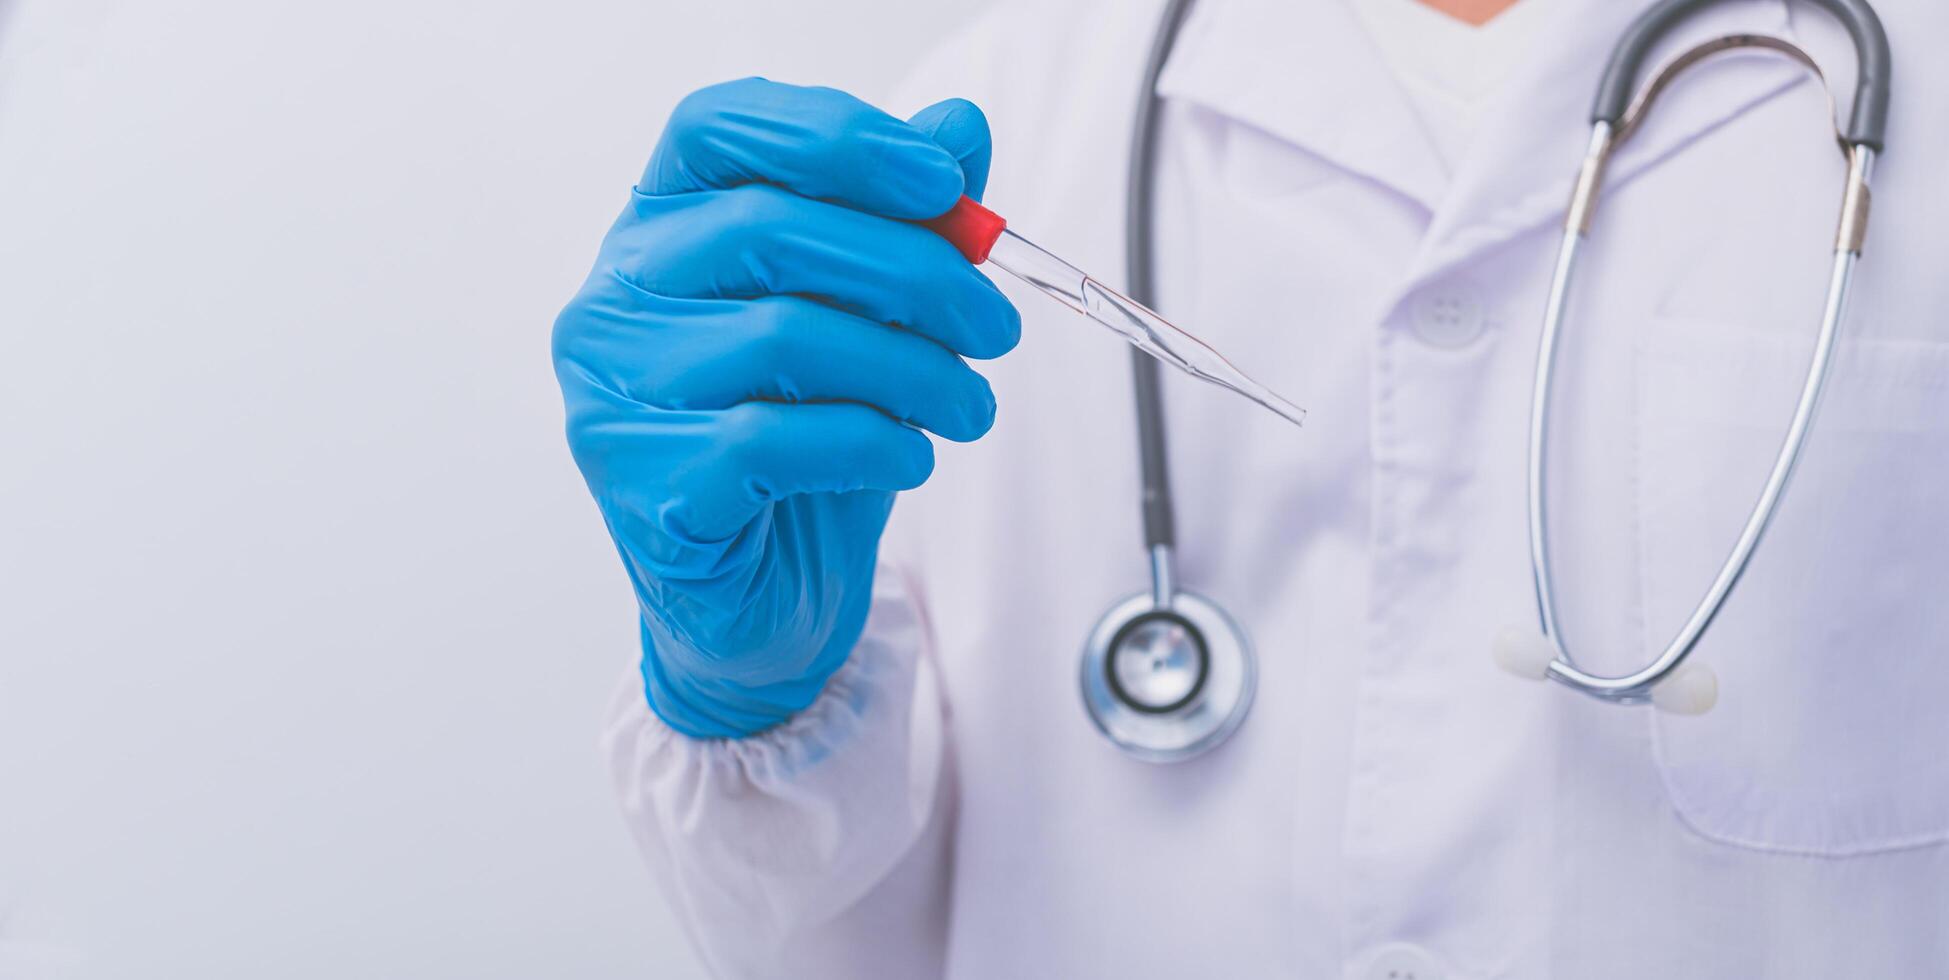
{"x":747,"y":372}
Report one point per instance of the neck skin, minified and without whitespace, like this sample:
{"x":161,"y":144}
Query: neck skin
{"x":1472,"y":12}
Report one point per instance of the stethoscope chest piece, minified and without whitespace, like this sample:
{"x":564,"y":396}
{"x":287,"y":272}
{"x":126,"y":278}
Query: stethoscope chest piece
{"x":1167,"y":683}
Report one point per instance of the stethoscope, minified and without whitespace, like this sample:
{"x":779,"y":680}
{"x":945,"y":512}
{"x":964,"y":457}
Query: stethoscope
{"x":1167,"y":675}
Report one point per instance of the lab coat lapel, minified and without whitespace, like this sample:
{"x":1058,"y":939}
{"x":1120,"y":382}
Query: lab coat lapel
{"x":1518,"y":172}
{"x":1307,"y":72}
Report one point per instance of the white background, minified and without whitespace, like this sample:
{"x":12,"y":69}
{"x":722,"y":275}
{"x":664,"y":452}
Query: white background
{"x":306,"y":624}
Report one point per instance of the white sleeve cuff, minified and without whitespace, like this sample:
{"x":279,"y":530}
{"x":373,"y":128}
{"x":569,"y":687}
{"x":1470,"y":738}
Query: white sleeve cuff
{"x":755,"y":840}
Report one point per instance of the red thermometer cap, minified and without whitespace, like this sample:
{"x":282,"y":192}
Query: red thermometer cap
{"x":972,"y":228}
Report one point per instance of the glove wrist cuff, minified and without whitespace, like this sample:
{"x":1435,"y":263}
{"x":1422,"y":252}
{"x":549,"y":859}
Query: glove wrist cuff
{"x":707,"y":708}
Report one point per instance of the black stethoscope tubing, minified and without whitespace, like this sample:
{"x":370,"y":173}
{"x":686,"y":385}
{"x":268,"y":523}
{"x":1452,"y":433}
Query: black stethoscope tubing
{"x":1140,"y":271}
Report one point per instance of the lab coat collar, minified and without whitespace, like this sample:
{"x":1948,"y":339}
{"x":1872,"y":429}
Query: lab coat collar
{"x":1517,"y":175}
{"x":1308,"y":73}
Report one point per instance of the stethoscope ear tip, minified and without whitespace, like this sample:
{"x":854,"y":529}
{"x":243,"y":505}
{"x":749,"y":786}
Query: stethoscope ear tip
{"x":1524,"y":652}
{"x":1692,"y":689}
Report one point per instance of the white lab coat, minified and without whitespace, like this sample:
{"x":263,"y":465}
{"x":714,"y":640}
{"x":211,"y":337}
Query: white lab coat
{"x":1395,"y":806}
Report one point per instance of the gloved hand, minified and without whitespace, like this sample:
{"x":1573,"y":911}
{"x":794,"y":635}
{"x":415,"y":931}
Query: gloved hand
{"x":747,"y":372}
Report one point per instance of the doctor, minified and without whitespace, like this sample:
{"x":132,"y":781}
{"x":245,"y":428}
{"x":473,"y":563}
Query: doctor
{"x":851,"y":753}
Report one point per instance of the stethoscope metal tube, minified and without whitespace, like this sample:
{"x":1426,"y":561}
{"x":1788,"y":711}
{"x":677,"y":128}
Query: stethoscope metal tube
{"x":1163,"y":575}
{"x":1547,"y":656}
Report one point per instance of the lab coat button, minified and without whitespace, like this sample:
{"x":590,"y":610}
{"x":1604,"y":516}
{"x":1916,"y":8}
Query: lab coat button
{"x":1448,"y":317}
{"x":1402,"y":961}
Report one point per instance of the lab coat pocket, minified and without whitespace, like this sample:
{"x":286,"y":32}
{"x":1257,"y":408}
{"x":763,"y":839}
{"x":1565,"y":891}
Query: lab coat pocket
{"x":1830,"y":736}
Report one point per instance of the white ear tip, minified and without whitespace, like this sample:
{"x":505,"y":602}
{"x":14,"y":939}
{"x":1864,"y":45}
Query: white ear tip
{"x":1524,"y":652}
{"x":1692,"y":689}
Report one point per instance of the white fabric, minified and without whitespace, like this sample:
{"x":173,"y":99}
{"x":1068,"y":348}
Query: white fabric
{"x":1450,"y":69}
{"x":810,"y":816}
{"x":1394,"y":797}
